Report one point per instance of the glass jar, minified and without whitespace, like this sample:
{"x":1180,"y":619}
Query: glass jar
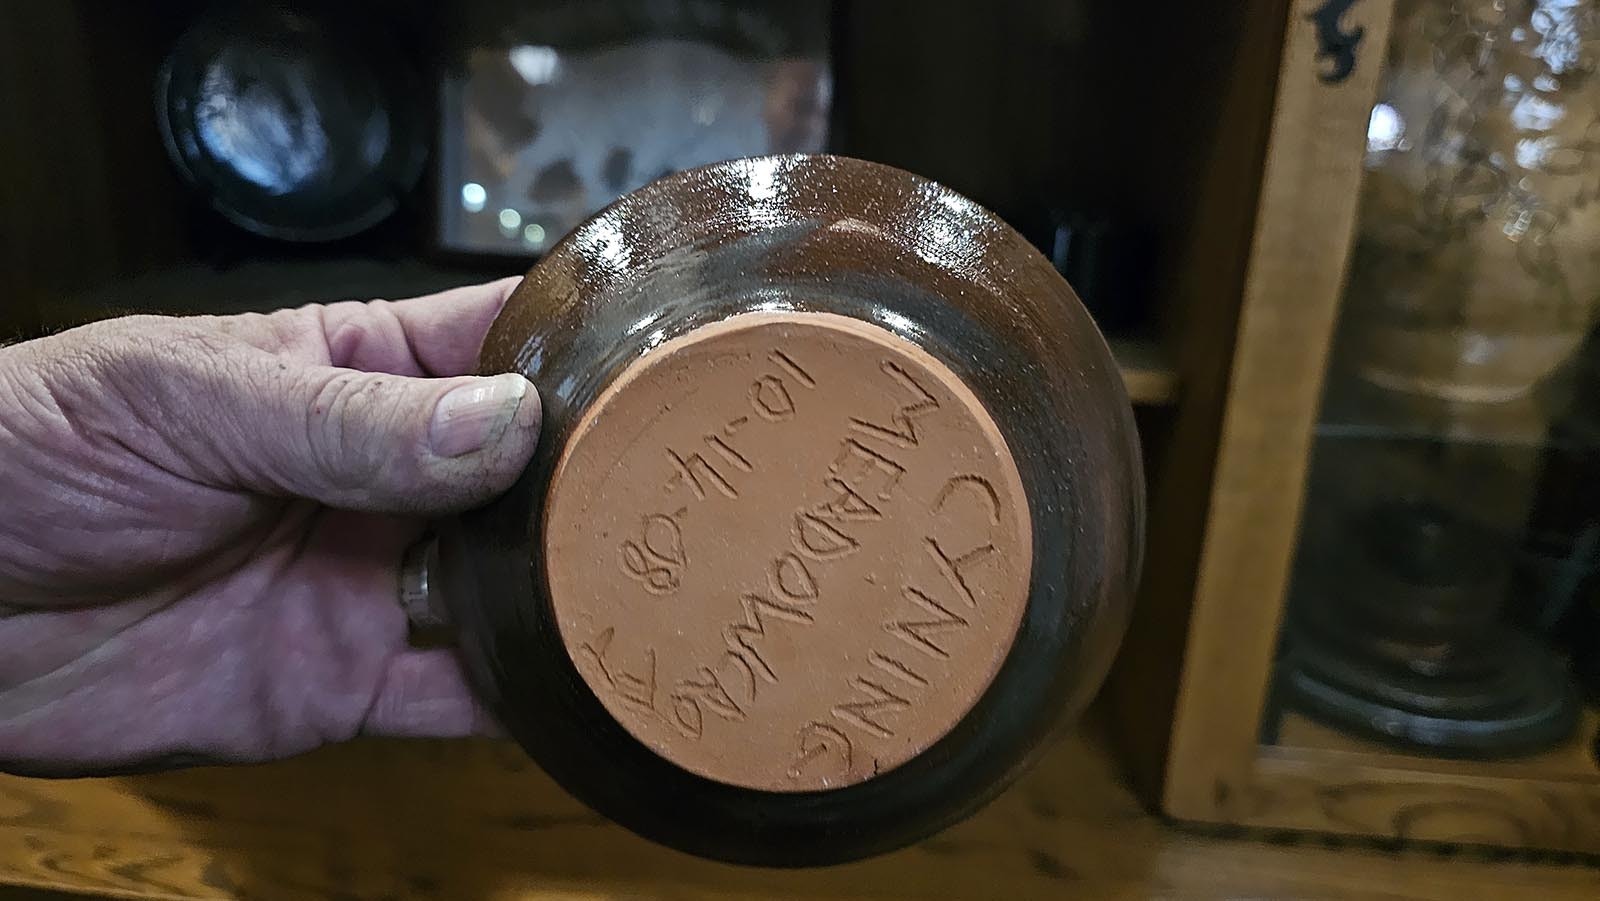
{"x":1477,"y":263}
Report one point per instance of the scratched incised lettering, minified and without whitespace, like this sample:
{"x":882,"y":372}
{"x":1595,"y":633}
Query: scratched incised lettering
{"x":698,"y":473}
{"x":904,"y":432}
{"x":742,"y":665}
{"x":845,"y":504}
{"x":791,"y":579}
{"x":920,"y":633}
{"x":657,"y":558}
{"x":691,"y":697}
{"x":769,"y":394}
{"x":790,"y":366}
{"x":862,"y":477}
{"x":925,"y":632}
{"x":897,"y":669}
{"x":742,"y":637}
{"x":952,"y":568}
{"x":858,"y":464}
{"x":595,"y":652}
{"x":792,"y":553}
{"x":725,"y":450}
{"x":635,"y":690}
{"x":771,"y":399}
{"x":972,"y":484}
{"x":867,"y":714}
{"x":687,"y":715}
{"x":819,"y":539}
{"x":821,"y":742}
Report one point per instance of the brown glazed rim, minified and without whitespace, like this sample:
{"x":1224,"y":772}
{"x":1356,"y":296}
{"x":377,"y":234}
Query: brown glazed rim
{"x":836,"y":235}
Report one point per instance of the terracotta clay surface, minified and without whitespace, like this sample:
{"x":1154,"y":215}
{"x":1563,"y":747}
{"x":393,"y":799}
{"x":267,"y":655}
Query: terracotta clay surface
{"x":787,"y":551}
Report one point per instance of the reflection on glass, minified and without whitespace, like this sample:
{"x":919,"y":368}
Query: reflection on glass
{"x":552,"y":132}
{"x":1478,"y":258}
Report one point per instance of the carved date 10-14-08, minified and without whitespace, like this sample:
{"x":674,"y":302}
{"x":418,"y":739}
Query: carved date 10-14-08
{"x":862,"y":480}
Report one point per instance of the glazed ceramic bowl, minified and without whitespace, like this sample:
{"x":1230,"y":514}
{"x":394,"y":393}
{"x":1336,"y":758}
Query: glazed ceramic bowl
{"x":836,"y":516}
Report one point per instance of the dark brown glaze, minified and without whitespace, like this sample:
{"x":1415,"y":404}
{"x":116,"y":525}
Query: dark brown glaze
{"x":811,"y":234}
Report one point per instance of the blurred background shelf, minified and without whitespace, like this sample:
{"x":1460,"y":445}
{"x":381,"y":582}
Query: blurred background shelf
{"x":1146,"y":371}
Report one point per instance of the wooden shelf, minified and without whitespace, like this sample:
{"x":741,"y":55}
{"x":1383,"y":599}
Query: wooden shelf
{"x":1573,"y":759}
{"x":1150,"y":378}
{"x":478,"y":820}
{"x":1316,"y":779}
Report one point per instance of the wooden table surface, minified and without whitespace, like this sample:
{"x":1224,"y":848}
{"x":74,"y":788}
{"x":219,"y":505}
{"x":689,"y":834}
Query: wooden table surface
{"x":477,"y":820}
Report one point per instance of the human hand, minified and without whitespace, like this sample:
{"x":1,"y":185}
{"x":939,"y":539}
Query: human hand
{"x":202,"y":521}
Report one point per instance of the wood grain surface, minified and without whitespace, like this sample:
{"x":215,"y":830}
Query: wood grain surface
{"x":1304,"y":224}
{"x":1306,"y":790}
{"x":475,"y":820}
{"x":1573,"y":760}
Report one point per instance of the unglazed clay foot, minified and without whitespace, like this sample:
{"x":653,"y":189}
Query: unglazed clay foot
{"x":788,"y":551}
{"x":836,"y":516}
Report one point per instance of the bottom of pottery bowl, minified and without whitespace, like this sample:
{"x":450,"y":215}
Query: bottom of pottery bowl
{"x":788,"y":551}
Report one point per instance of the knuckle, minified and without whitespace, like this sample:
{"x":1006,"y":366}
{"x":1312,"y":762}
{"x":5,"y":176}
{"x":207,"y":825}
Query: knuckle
{"x":346,"y":422}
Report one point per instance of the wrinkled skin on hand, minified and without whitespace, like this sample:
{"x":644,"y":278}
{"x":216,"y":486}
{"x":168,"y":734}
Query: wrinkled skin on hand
{"x":202,"y":521}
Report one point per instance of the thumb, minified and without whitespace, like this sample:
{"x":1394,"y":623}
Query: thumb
{"x":385,"y":443}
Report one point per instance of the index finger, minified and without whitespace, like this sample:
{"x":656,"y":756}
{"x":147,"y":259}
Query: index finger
{"x":437,"y":335}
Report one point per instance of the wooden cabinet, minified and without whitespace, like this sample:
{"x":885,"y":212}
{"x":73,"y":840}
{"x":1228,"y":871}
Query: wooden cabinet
{"x":1364,"y":633}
